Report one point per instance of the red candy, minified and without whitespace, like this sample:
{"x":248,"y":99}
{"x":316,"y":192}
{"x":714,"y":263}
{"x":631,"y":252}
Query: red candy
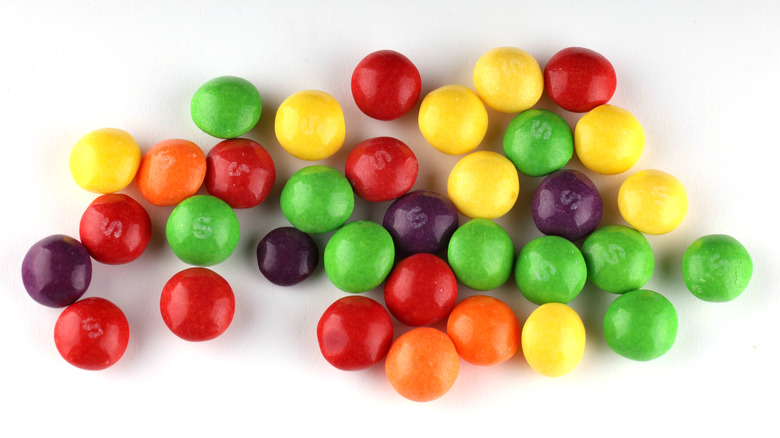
{"x":421,"y":290}
{"x":386,"y":85}
{"x":579,"y":79}
{"x":239,"y":172}
{"x":115,"y":229}
{"x":381,"y":169}
{"x":92,"y":334}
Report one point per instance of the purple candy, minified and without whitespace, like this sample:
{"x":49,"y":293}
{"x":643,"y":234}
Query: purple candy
{"x":286,"y":256}
{"x":567,"y":204}
{"x":421,"y":221}
{"x":56,"y":271}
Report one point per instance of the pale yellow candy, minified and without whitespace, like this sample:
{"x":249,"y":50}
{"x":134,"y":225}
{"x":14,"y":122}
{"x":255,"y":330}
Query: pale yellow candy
{"x":508,"y":79}
{"x":652,"y":201}
{"x":483,"y":185}
{"x":609,"y":140}
{"x":310,"y":125}
{"x":105,"y":160}
{"x":553,"y":339}
{"x":453,"y":119}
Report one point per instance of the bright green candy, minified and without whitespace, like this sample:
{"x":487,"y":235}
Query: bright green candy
{"x":550,"y":269}
{"x":226,"y":107}
{"x":640,"y":325}
{"x":481,"y":254}
{"x":716,"y":268}
{"x":202,"y":230}
{"x":317,"y":199}
{"x":359,"y":256}
{"x":619,"y":258}
{"x":538,"y":142}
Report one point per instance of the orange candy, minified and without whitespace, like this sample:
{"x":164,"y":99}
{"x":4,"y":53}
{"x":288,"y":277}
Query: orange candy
{"x":422,"y":364}
{"x":171,"y":171}
{"x":484,"y":329}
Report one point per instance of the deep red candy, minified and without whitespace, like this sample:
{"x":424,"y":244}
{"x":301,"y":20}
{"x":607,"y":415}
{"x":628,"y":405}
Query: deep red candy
{"x":92,"y":334}
{"x":421,"y":290}
{"x":579,"y":79}
{"x":381,"y":169}
{"x":115,"y":229}
{"x":240,"y":172}
{"x":386,"y":85}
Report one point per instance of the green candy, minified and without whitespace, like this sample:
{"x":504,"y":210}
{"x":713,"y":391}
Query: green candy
{"x":640,"y":325}
{"x":619,"y":258}
{"x":550,"y":269}
{"x":202,"y":230}
{"x":317,"y":199}
{"x":716,"y":268}
{"x":481,"y":254}
{"x":226,"y":107}
{"x":359,"y":256}
{"x":538,"y":142}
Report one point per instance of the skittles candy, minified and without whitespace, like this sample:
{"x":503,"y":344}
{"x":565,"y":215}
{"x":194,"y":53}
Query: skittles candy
{"x":640,"y":325}
{"x":481,"y":254}
{"x":56,"y":271}
{"x":359,"y":256}
{"x":609,"y":140}
{"x":202,"y":230}
{"x":171,"y":171}
{"x":92,"y":334}
{"x":652,"y":201}
{"x":421,"y":221}
{"x":421,"y":290}
{"x":567,"y":203}
{"x":197,"y":304}
{"x":381,"y":169}
{"x":386,"y":85}
{"x":484,"y":185}
{"x":553,"y":339}
{"x":317,"y":199}
{"x":115,"y":229}
{"x":550,"y":269}
{"x":508,"y":79}
{"x":239,"y":172}
{"x":619,"y":258}
{"x":538,"y":142}
{"x":484,"y":329}
{"x":579,"y":79}
{"x":105,"y":160}
{"x":226,"y":107}
{"x":716,"y":268}
{"x":310,"y":125}
{"x":286,"y":256}
{"x":453,"y":119}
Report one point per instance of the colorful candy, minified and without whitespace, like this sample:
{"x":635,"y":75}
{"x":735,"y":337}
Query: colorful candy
{"x":105,"y":160}
{"x":453,"y":119}
{"x":609,"y":140}
{"x":579,"y":79}
{"x":481,"y":254}
{"x":381,"y":169}
{"x":421,"y":221}
{"x":538,"y":142}
{"x":92,"y":334}
{"x":652,"y":201}
{"x":226,"y":107}
{"x":484,"y":185}
{"x":317,"y":199}
{"x":553,"y":339}
{"x":619,"y":258}
{"x":567,"y":203}
{"x":240,"y":172}
{"x":56,"y":271}
{"x":550,"y":269}
{"x":640,"y":325}
{"x":171,"y":171}
{"x":202,"y":230}
{"x":716,"y":268}
{"x":484,"y":329}
{"x":359,"y":256}
{"x":115,"y":229}
{"x":421,"y":290}
{"x":286,"y":256}
{"x":386,"y":85}
{"x":310,"y":125}
{"x":197,"y":304}
{"x":508,"y":79}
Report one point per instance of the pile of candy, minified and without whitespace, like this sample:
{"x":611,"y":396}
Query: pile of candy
{"x":420,"y":252}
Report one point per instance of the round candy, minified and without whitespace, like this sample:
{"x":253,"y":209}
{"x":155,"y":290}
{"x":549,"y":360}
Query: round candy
{"x":286,"y":256}
{"x":92,"y":334}
{"x":484,"y":329}
{"x":553,"y":339}
{"x":359,"y":256}
{"x":239,"y":172}
{"x":310,"y":125}
{"x":579,"y":79}
{"x":354,"y":333}
{"x":105,"y":160}
{"x":56,"y":271}
{"x":567,"y":203}
{"x":202,"y":230}
{"x":421,"y":290}
{"x":619,"y":258}
{"x":508,"y":79}
{"x":226,"y":107}
{"x":652,"y":201}
{"x":608,"y":140}
{"x":317,"y":199}
{"x":640,"y":325}
{"x":171,"y":171}
{"x":484,"y":185}
{"x":538,"y":142}
{"x":453,"y":119}
{"x":386,"y":85}
{"x":115,"y":229}
{"x":421,"y":221}
{"x":381,"y":169}
{"x":422,"y":364}
{"x":716,"y":268}
{"x":550,"y":269}
{"x":481,"y":254}
{"x":197,"y":304}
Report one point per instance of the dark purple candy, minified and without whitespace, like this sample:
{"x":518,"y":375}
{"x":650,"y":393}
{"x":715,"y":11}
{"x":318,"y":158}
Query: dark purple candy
{"x":286,"y":256}
{"x":567,"y":204}
{"x":56,"y":271}
{"x":421,"y":221}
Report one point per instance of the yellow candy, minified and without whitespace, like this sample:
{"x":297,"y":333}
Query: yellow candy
{"x":453,"y":119}
{"x":508,"y":80}
{"x":484,"y":185}
{"x":105,"y":160}
{"x":310,"y":125}
{"x":553,"y":339}
{"x":652,"y":201}
{"x":609,"y":140}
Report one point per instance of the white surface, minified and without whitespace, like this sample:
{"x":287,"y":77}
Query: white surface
{"x":701,"y":80}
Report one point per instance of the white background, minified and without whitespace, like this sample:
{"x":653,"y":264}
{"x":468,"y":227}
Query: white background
{"x":701,"y":77}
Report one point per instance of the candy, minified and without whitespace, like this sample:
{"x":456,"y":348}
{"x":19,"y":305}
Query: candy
{"x":640,"y":325}
{"x":202,"y":230}
{"x":239,"y":172}
{"x":354,"y":333}
{"x":508,"y":79}
{"x":358,"y":256}
{"x":652,"y":201}
{"x":453,"y":119}
{"x":484,"y":329}
{"x":422,"y":364}
{"x":553,"y":339}
{"x":484,"y":185}
{"x":317,"y":199}
{"x":421,"y":221}
{"x":115,"y":229}
{"x":538,"y":142}
{"x":56,"y":271}
{"x":608,"y":140}
{"x":579,"y":79}
{"x":716,"y":268}
{"x":381,"y":169}
{"x":421,"y":290}
{"x":619,"y":258}
{"x":550,"y":269}
{"x":286,"y":256}
{"x":481,"y":254}
{"x":310,"y":125}
{"x":226,"y":107}
{"x":386,"y":85}
{"x":171,"y":171}
{"x":105,"y":160}
{"x":92,"y":334}
{"x":567,"y":203}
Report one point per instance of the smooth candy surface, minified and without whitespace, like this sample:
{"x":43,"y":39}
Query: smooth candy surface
{"x":381,"y":169}
{"x":421,"y":290}
{"x":640,"y":325}
{"x":197,"y":304}
{"x":716,"y":268}
{"x":226,"y":107}
{"x":553,"y":339}
{"x":484,"y":329}
{"x":579,"y":79}
{"x":483,"y":184}
{"x":386,"y":85}
{"x":115,"y":229}
{"x":310,"y":125}
{"x":481,"y":254}
{"x":653,"y":201}
{"x":105,"y":160}
{"x":286,"y":256}
{"x":567,"y":203}
{"x":453,"y":119}
{"x":92,"y":334}
{"x":421,"y":221}
{"x":240,"y":172}
{"x":202,"y":230}
{"x":56,"y":270}
{"x":619,"y":258}
{"x":609,"y":140}
{"x":538,"y":142}
{"x":550,"y":269}
{"x":508,"y":79}
{"x":171,"y":171}
{"x":317,"y":199}
{"x":359,"y":256}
